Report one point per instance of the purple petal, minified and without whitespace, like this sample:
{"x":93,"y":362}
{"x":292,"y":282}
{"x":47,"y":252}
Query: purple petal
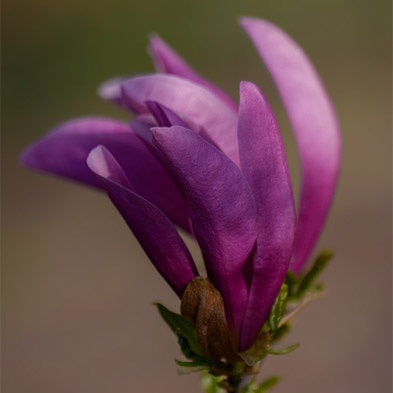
{"x":188,"y":99}
{"x":156,"y":234}
{"x":167,"y":118}
{"x":222,"y":211}
{"x":164,"y":116}
{"x":264,"y":164}
{"x":167,"y":61}
{"x":64,"y":151}
{"x":110,"y":90}
{"x":315,"y":125}
{"x":141,"y":125}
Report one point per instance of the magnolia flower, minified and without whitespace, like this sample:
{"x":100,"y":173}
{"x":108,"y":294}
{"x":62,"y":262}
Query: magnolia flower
{"x":194,"y":158}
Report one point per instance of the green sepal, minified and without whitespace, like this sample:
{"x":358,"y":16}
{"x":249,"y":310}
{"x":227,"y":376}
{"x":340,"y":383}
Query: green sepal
{"x":267,"y":384}
{"x":211,"y":383}
{"x":183,"y":329}
{"x":194,"y":363}
{"x":185,"y":370}
{"x":194,"y":366}
{"x":291,"y":279}
{"x":278,"y":309}
{"x":309,"y":278}
{"x":282,"y":351}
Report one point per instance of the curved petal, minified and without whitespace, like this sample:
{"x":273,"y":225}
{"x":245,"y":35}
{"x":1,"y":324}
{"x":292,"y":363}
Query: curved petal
{"x":222,"y":211}
{"x":110,"y":90}
{"x":64,"y":151}
{"x":156,"y":234}
{"x":141,"y":125}
{"x":315,"y":125}
{"x":167,"y":118}
{"x":264,"y":164}
{"x":164,"y":116}
{"x":166,"y":60}
{"x":188,"y":99}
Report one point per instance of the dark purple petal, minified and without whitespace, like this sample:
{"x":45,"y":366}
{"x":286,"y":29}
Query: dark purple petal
{"x":222,"y":211}
{"x":141,"y":125}
{"x":315,"y":125}
{"x":167,"y":61}
{"x":156,"y":234}
{"x":189,"y":99}
{"x":264,"y":164}
{"x":64,"y":151}
{"x":164,"y":116}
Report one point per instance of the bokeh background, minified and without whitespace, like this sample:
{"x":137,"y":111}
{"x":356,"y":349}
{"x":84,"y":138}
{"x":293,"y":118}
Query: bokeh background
{"x":77,"y":290}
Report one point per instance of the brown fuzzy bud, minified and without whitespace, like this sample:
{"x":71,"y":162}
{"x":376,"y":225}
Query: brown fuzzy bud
{"x":202,"y":305}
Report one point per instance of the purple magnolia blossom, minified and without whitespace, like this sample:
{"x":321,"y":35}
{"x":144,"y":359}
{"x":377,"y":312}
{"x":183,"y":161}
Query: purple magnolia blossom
{"x":194,"y":158}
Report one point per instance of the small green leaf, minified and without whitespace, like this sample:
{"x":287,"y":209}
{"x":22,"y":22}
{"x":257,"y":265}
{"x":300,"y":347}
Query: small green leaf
{"x":319,"y":287}
{"x":184,"y":330}
{"x":267,"y":384}
{"x":278,"y":309}
{"x":284,"y":350}
{"x":281,"y":332}
{"x":185,"y":347}
{"x":291,"y":280}
{"x":310,"y":277}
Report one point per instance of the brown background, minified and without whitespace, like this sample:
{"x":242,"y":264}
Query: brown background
{"x":77,"y":289}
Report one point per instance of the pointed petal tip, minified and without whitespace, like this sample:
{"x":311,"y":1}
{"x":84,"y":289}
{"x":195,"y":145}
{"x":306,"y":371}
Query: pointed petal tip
{"x":246,"y":86}
{"x":245,"y":21}
{"x":162,"y":134}
{"x":101,"y":161}
{"x":250,"y":92}
{"x":95,"y":157}
{"x":63,"y":150}
{"x":249,"y":24}
{"x":242,"y":20}
{"x":32,"y":156}
{"x":158,"y":131}
{"x":243,"y":85}
{"x":155,"y":38}
{"x":159,"y":134}
{"x":110,"y":90}
{"x":27,"y":157}
{"x":156,"y":49}
{"x":153,"y":107}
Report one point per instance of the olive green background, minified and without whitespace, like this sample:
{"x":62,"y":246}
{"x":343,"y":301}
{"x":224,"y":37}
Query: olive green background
{"x":77,"y":290}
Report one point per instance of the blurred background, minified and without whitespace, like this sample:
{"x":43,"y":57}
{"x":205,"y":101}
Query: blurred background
{"x":77,"y":290}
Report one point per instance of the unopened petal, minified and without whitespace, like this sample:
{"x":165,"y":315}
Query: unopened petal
{"x":222,"y":211}
{"x":64,"y":150}
{"x":156,"y":234}
{"x":264,"y":164}
{"x":189,"y":99}
{"x":315,"y":125}
{"x":167,"y":118}
{"x":166,"y":60}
